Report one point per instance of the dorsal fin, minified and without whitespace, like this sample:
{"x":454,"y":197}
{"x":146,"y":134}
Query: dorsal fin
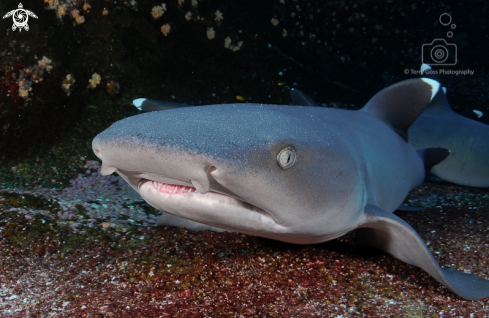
{"x":440,"y":101}
{"x":153,"y":105}
{"x":298,"y":98}
{"x":428,"y":72}
{"x":400,"y":104}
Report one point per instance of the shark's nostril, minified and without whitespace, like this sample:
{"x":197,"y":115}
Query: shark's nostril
{"x":98,"y":153}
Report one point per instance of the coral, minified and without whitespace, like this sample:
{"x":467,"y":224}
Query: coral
{"x":24,"y":88}
{"x":158,"y":11}
{"x":52,"y":2}
{"x":165,"y":29}
{"x":61,"y":10}
{"x":9,"y":83}
{"x":61,"y":7}
{"x":18,"y":80}
{"x":78,"y":18}
{"x":219,"y":15}
{"x":211,"y":34}
{"x":228,"y":44}
{"x":113,"y":88}
{"x":45,"y":63}
{"x":67,"y":84}
{"x":94,"y":81}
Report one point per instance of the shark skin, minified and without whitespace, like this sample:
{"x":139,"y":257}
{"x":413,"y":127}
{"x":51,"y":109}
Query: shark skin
{"x":302,"y":175}
{"x":467,"y":139}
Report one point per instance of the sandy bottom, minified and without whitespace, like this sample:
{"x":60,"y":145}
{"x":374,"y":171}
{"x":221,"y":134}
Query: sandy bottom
{"x":119,"y":266}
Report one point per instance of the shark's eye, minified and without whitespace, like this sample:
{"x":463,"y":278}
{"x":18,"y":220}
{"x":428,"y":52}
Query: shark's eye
{"x":286,"y":158}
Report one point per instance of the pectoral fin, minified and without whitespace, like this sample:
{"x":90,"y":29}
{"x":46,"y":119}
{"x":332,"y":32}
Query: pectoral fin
{"x":388,"y":232}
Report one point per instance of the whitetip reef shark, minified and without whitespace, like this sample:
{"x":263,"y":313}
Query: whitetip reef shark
{"x":467,"y":139}
{"x":302,"y":175}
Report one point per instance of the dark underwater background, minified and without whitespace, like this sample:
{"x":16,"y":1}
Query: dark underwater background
{"x":73,"y":243}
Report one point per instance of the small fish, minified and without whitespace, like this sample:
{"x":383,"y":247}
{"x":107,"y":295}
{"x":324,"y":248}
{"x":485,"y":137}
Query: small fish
{"x":239,"y":97}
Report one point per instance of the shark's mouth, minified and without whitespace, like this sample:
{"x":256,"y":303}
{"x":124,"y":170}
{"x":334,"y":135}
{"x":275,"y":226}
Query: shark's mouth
{"x":213,"y":208}
{"x":172,"y":188}
{"x":169,"y":188}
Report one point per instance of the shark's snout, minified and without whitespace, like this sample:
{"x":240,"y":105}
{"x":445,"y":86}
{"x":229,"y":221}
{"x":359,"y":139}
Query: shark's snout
{"x":144,"y":164}
{"x":97,"y":149}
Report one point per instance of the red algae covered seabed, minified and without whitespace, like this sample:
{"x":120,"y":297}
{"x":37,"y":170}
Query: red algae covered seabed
{"x":91,"y":250}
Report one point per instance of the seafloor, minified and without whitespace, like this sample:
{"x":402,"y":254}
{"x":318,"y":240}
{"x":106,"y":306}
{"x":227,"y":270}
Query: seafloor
{"x":91,"y":250}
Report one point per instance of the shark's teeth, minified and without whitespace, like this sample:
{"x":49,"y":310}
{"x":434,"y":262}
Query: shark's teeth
{"x":172,"y":188}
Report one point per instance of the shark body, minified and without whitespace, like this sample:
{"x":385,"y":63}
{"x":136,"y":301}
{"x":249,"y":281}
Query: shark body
{"x":467,"y":139}
{"x":297,"y":174}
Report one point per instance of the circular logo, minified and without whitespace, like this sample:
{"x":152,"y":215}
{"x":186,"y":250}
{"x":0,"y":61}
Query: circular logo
{"x":20,"y":18}
{"x":445,"y":19}
{"x":439,"y":54}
